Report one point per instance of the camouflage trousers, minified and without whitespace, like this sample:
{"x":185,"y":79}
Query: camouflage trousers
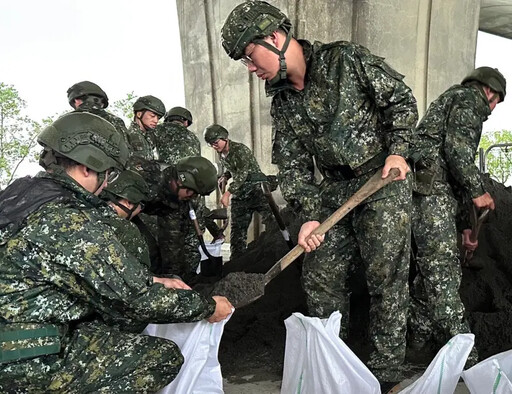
{"x":98,"y":359}
{"x":242,"y":210}
{"x":375,"y":235}
{"x":436,"y":306}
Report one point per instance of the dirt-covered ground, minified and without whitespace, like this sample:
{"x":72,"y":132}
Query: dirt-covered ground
{"x":254,"y":339}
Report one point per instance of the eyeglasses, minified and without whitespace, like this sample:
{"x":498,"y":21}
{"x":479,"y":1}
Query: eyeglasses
{"x":216,"y":142}
{"x":247,"y":60}
{"x":141,"y":206}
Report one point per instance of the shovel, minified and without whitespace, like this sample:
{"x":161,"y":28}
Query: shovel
{"x":476,"y":225}
{"x":212,"y":266}
{"x":277,"y":214}
{"x":252,"y":286}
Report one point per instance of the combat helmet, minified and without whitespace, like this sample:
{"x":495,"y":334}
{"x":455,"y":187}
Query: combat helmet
{"x":252,"y":21}
{"x":87,"y":139}
{"x":489,"y":77}
{"x":130,"y":186}
{"x":150,"y":103}
{"x":86,"y":88}
{"x":198,"y":174}
{"x":215,"y":132}
{"x":178,"y":113}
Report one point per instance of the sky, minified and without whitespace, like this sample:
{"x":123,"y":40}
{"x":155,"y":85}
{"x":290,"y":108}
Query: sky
{"x":496,"y":52}
{"x":123,"y":46}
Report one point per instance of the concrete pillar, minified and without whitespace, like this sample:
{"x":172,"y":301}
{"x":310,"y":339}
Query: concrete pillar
{"x":431,"y":42}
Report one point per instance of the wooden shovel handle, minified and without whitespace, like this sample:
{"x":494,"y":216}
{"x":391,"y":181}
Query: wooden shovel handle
{"x":374,"y":184}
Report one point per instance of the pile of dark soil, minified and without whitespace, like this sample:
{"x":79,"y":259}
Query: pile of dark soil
{"x":254,"y":339}
{"x":486,"y":288}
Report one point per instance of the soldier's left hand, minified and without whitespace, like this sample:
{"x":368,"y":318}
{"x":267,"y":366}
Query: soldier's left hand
{"x":307,"y":240}
{"x":395,"y":161}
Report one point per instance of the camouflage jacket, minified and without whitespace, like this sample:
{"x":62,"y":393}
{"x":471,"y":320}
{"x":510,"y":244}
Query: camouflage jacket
{"x":242,"y":167}
{"x":142,"y":143}
{"x":174,"y":142}
{"x":65,"y":264}
{"x":130,"y":237}
{"x":449,"y":134}
{"x":116,"y":121}
{"x":353,"y":108}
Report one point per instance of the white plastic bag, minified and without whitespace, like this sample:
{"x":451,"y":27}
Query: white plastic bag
{"x":444,"y":371}
{"x":199,"y":343}
{"x":317,"y":361}
{"x":215,"y":249}
{"x":490,"y":375}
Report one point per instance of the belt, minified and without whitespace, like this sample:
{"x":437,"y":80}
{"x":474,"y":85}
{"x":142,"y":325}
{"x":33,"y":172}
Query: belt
{"x":345,"y":172}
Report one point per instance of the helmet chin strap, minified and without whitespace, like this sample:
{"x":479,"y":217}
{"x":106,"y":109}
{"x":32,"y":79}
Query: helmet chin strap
{"x":127,"y":210}
{"x":101,"y":179}
{"x":281,"y":75}
{"x":144,"y":126}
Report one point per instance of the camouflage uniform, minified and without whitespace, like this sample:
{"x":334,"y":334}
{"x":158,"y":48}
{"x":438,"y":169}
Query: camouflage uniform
{"x":353,"y":112}
{"x":63,"y":272}
{"x":448,"y":138}
{"x":177,"y":239}
{"x":247,"y":195}
{"x":175,"y":141}
{"x":142,"y":143}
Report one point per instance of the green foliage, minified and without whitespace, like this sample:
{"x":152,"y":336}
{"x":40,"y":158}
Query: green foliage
{"x":498,"y":160}
{"x":17,"y":133}
{"x":124,"y":107}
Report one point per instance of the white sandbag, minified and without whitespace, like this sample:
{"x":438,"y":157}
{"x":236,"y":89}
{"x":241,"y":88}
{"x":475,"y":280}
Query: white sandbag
{"x":199,"y":343}
{"x":491,"y":375}
{"x":215,"y":249}
{"x":317,"y":361}
{"x":444,"y":371}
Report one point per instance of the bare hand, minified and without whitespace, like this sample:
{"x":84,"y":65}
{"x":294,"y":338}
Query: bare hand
{"x":221,"y":180}
{"x":225,"y":199}
{"x":172,"y":283}
{"x":466,"y":240}
{"x":395,"y":161}
{"x":485,"y":201}
{"x":222,"y":309}
{"x":307,"y":240}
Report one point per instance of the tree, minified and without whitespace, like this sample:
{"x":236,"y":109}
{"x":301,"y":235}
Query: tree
{"x":124,"y":107}
{"x":498,"y":160}
{"x":17,"y":133}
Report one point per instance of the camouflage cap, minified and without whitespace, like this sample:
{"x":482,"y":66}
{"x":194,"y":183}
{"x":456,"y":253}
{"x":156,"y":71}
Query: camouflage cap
{"x":87,"y":139}
{"x":86,"y":88}
{"x":178,"y":113}
{"x":130,"y":186}
{"x":490,"y":77}
{"x":249,"y":21}
{"x":150,"y":103}
{"x":198,"y":174}
{"x":215,"y":132}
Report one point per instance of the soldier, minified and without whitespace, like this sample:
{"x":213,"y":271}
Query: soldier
{"x":174,"y":140}
{"x":245,"y":191}
{"x":174,"y":187}
{"x":447,"y":138}
{"x":344,"y":109}
{"x":89,"y":97}
{"x":64,"y":275}
{"x":126,"y":195}
{"x":147,"y":111}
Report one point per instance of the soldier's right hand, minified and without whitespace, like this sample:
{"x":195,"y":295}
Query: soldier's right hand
{"x":485,"y":201}
{"x":222,"y":309}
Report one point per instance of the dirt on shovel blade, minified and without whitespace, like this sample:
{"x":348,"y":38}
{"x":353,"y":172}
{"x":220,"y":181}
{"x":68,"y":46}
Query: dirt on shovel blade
{"x":240,"y":287}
